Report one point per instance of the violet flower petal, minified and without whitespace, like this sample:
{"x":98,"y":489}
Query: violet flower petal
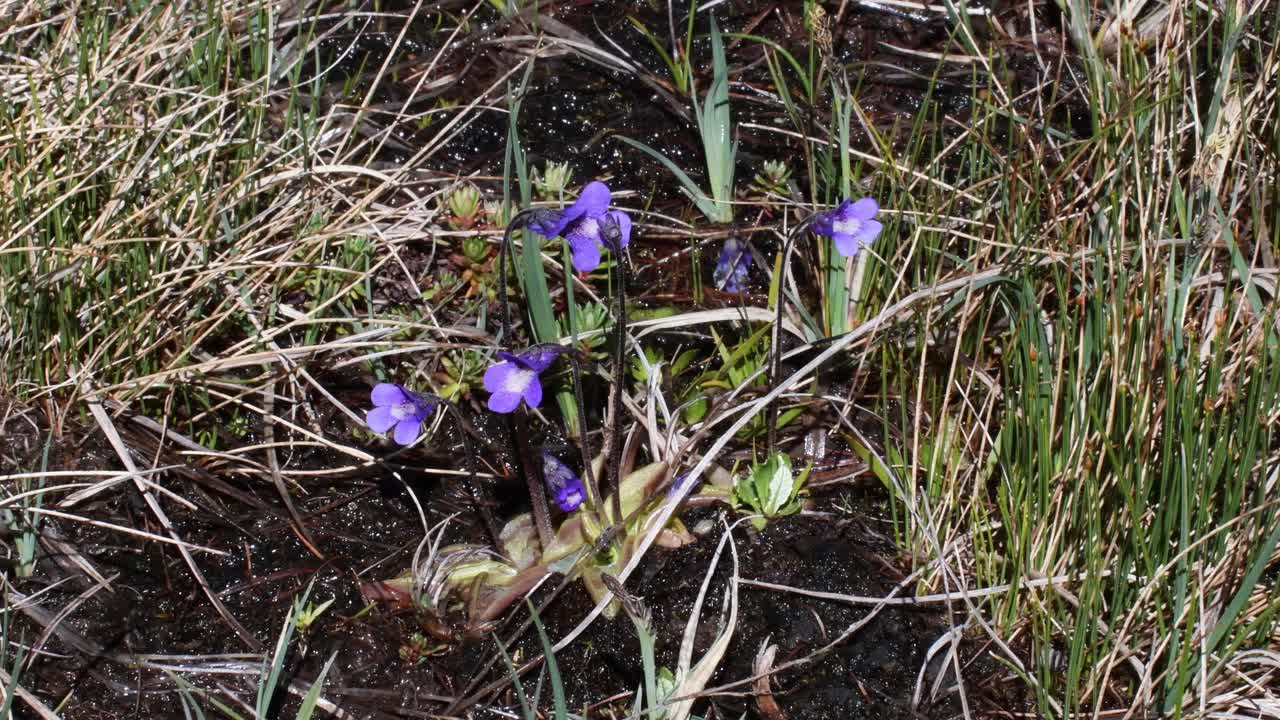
{"x":495,"y":376}
{"x":732,"y":266}
{"x":585,"y":251}
{"x":569,"y":499}
{"x":504,"y":402}
{"x":565,"y":486}
{"x":507,"y":382}
{"x":407,"y":431}
{"x":868,"y":231}
{"x":387,"y":394}
{"x":682,"y":483}
{"x":533,"y":393}
{"x":591,"y":203}
{"x":847,"y":245}
{"x":594,"y":199}
{"x":380,"y":419}
{"x":864,"y":209}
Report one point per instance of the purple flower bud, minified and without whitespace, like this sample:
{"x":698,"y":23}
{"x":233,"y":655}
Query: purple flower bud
{"x":566,"y":487}
{"x":850,"y":225}
{"x":731,"y":268}
{"x":587,"y":225}
{"x":398,"y":407}
{"x":681,"y":483}
{"x":517,"y":377}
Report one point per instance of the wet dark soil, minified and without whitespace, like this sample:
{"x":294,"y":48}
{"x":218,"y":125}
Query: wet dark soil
{"x":872,"y":674}
{"x":367,"y":532}
{"x":574,"y":107}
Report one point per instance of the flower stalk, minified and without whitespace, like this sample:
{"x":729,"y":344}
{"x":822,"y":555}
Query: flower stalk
{"x":775,"y":342}
{"x":851,"y":227}
{"x":615,"y":240}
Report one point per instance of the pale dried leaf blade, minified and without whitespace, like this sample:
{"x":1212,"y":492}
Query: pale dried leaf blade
{"x":763,"y":669}
{"x":690,"y":682}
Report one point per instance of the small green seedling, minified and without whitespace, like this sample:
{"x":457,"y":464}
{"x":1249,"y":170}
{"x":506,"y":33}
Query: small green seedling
{"x":475,"y":249}
{"x":419,"y":648}
{"x":463,"y":370}
{"x":770,"y":490}
{"x":306,"y":615}
{"x":771,"y":179}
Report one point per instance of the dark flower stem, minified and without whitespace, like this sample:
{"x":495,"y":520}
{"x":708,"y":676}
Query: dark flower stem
{"x":615,"y":390}
{"x":775,"y":342}
{"x":520,"y":221}
{"x":584,"y":446}
{"x":531,"y":468}
{"x":518,"y":422}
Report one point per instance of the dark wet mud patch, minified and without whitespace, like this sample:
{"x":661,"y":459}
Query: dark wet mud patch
{"x":400,"y":663}
{"x":871,"y":675}
{"x":573,"y":106}
{"x":366,"y":528}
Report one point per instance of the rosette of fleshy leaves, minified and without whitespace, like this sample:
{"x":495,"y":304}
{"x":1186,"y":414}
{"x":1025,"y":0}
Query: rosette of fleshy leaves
{"x":770,"y":490}
{"x":484,"y":585}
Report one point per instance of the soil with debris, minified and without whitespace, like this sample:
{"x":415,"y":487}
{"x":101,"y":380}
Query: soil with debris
{"x":102,"y":649}
{"x":152,"y":614}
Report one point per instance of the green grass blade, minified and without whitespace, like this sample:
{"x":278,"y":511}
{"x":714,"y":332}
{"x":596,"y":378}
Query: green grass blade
{"x":706,"y":205}
{"x":533,"y":281}
{"x":801,"y":75}
{"x":521,"y":695}
{"x":308,"y":707}
{"x":716,"y":129}
{"x":553,"y":670}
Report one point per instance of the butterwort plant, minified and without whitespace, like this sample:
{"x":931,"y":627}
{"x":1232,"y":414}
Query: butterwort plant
{"x":589,"y":226}
{"x":851,"y":226}
{"x":399,"y":410}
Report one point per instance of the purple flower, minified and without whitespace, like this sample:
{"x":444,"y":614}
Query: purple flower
{"x":587,"y":225}
{"x":517,"y":377}
{"x":567,"y":488}
{"x":395,"y":406}
{"x":850,"y":225}
{"x":731,"y":268}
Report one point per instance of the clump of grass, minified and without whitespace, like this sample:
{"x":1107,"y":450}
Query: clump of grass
{"x":1102,"y":409}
